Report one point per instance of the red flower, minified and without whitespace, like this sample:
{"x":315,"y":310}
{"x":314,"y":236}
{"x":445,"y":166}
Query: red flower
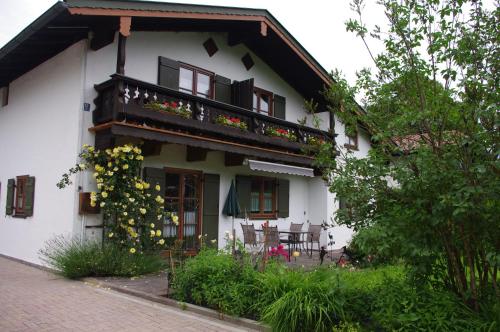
{"x":165,"y":103}
{"x":235,"y":120}
{"x":173,"y":104}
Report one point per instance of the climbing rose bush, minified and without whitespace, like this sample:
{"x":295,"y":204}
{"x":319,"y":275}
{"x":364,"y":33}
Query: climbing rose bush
{"x":132,"y":209}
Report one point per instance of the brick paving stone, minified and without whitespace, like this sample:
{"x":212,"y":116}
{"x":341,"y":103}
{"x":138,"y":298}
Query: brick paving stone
{"x":36,"y":300}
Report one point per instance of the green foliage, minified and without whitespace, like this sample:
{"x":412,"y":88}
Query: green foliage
{"x":429,"y":189}
{"x":76,"y":259}
{"x":381,"y":299}
{"x":216,"y":280}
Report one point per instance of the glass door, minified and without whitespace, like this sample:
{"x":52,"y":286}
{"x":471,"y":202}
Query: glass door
{"x":182,"y":197}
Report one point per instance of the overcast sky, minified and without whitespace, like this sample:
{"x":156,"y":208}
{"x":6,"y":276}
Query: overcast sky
{"x":317,"y":24}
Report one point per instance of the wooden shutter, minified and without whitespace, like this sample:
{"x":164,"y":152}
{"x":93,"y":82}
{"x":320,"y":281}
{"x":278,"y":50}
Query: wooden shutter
{"x":168,"y":73}
{"x":279,"y":109}
{"x":283,"y":198}
{"x":210,"y":222}
{"x":243,"y":190}
{"x":155,"y":176}
{"x":222,"y":89}
{"x":29,"y":196}
{"x":242,"y":94}
{"x":9,"y":207}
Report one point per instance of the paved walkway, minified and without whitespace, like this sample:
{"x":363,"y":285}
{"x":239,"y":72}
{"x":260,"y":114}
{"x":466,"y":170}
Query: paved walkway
{"x":35,"y":300}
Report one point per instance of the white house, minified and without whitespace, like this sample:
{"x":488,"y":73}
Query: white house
{"x":83,"y":72}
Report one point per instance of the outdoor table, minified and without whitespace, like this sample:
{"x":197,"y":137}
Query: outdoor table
{"x":294,"y":239}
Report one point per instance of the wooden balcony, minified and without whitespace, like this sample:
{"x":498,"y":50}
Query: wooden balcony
{"x":126,"y":107}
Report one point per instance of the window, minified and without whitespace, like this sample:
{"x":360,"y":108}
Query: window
{"x":262,"y":101}
{"x":263,"y":197}
{"x":351,"y":141}
{"x":196,"y":81}
{"x":20,"y":195}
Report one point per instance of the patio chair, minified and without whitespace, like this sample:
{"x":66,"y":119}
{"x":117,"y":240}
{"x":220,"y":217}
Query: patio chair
{"x":272,"y":239}
{"x":313,"y":235}
{"x":295,"y":239}
{"x":249,"y":235}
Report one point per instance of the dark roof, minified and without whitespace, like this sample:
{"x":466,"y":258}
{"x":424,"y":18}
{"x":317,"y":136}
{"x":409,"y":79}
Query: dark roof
{"x":68,"y":22}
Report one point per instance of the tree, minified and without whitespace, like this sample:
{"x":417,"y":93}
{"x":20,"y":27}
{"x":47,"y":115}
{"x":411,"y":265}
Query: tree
{"x":432,"y":107}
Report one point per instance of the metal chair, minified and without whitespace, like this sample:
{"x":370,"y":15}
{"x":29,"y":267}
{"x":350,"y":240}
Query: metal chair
{"x":294,"y":239}
{"x":249,"y":235}
{"x":313,"y":235}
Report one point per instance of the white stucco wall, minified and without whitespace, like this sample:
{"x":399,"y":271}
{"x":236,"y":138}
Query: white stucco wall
{"x":143,"y":49}
{"x":39,"y":130}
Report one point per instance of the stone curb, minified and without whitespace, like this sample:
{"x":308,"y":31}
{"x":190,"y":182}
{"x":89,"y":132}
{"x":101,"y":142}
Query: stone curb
{"x":244,"y":322}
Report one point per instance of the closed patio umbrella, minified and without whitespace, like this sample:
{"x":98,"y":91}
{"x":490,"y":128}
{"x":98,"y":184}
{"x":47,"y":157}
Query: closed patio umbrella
{"x":232,"y":208}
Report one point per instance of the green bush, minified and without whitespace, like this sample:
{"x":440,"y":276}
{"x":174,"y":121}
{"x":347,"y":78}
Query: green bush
{"x":216,"y":280}
{"x":300,"y":301}
{"x":76,"y":259}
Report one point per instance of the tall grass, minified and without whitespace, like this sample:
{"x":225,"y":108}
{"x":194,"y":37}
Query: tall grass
{"x":74,"y":259}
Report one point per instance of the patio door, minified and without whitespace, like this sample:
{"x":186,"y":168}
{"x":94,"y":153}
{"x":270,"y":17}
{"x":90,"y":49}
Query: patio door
{"x":183,"y":197}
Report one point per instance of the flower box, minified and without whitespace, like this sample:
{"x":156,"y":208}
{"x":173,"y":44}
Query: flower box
{"x":231,"y":122}
{"x":171,"y":108}
{"x":281,"y":133}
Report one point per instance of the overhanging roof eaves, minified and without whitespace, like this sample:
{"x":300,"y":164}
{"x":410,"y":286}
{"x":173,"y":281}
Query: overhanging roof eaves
{"x":31,"y":29}
{"x":200,"y":9}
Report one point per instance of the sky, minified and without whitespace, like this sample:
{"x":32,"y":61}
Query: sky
{"x":317,"y":24}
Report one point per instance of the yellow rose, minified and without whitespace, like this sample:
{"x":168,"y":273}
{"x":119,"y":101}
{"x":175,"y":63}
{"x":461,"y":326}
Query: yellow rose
{"x":152,"y":225}
{"x":127,"y":195}
{"x":131,"y":221}
{"x":158,"y":199}
{"x":104,"y":194}
{"x":139,"y":186}
{"x":152,"y":233}
{"x":115,"y":169}
{"x":110,"y":234}
{"x":159,"y":217}
{"x":162,"y":241}
{"x":92,"y":203}
{"x":145,"y":185}
{"x":125,"y":166}
{"x":157,"y":187}
{"x":102,"y":204}
{"x":158,"y":233}
{"x":125,"y":213}
{"x":132,"y":250}
{"x":175,"y":219}
{"x":110,"y":164}
{"x":95,"y":174}
{"x":139,"y":157}
{"x":91,"y":148}
{"x":82,"y":166}
{"x":131,"y":199}
{"x":99,"y":186}
{"x":142,"y":210}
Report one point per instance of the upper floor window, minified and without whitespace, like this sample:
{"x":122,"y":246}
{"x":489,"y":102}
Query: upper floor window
{"x":196,"y":81}
{"x":262,"y":101}
{"x":351,"y":140}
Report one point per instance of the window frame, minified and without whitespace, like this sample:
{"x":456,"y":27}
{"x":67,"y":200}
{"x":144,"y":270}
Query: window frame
{"x":353,"y":138}
{"x":260,"y":92}
{"x":261,"y":214}
{"x":194,"y":84}
{"x":21,"y":182}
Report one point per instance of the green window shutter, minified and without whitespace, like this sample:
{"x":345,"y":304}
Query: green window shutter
{"x":9,"y":207}
{"x":279,"y":109}
{"x":154,"y":176}
{"x":242,"y":94}
{"x":29,"y":192}
{"x":211,"y":190}
{"x":168,"y":73}
{"x":243,"y":190}
{"x":283,"y":198}
{"x":222,"y":89}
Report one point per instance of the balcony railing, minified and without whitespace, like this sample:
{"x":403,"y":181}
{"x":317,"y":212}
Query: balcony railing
{"x":140,"y":103}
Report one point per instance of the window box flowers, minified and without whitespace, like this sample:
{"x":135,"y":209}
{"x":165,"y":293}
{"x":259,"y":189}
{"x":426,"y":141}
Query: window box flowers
{"x":231,"y":122}
{"x":281,"y":133}
{"x":171,"y":107}
{"x":315,"y":141}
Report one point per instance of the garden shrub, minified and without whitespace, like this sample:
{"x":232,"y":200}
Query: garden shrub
{"x":216,"y":280}
{"x":74,"y":259}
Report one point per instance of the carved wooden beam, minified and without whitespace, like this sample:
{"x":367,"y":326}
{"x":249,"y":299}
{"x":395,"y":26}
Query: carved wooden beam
{"x":233,"y":159}
{"x":263,"y":29}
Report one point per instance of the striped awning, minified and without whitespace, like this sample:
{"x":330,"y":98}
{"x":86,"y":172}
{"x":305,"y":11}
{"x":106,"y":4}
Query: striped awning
{"x":264,"y":166}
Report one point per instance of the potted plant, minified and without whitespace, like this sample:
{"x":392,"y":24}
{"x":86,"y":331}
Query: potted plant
{"x":171,"y":108}
{"x":231,"y":122}
{"x":281,"y":133}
